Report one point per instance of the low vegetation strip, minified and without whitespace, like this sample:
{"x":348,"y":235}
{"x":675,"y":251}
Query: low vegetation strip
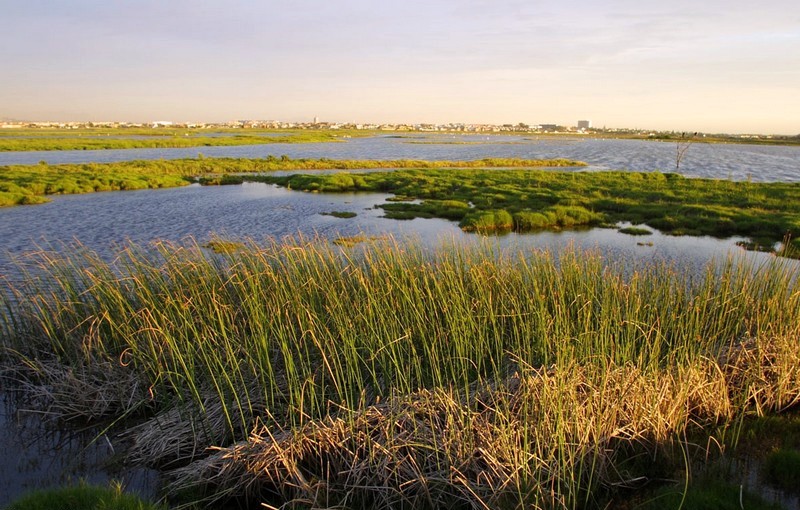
{"x":160,"y":138}
{"x":30,"y":184}
{"x":390,"y":375}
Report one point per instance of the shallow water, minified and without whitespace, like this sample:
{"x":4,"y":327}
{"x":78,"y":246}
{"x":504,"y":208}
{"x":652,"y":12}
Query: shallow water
{"x":38,"y":456}
{"x":261,"y":212}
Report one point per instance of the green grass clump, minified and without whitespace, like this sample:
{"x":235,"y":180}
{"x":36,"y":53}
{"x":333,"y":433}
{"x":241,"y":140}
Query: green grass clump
{"x":82,"y":497}
{"x":340,"y":214}
{"x":488,"y":221}
{"x":220,"y":180}
{"x":782,"y":469}
{"x":635,"y":231}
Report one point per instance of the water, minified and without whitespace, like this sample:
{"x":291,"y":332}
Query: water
{"x":261,"y":212}
{"x":759,"y":163}
{"x":37,"y":455}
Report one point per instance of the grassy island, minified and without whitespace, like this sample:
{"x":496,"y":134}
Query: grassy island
{"x":532,"y":199}
{"x":388,"y":376}
{"x":30,"y":184}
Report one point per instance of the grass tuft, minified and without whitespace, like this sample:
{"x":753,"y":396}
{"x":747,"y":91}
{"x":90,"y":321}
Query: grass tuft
{"x":82,"y":497}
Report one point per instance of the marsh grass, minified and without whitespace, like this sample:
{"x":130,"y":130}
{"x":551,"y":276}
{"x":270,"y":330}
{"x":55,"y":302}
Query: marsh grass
{"x":340,"y":214}
{"x":635,"y":231}
{"x":530,"y":199}
{"x":387,"y":375}
{"x":82,"y":497}
{"x":30,"y":184}
{"x":125,"y":138}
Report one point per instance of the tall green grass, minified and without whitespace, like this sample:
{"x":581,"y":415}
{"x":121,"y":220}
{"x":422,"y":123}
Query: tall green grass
{"x":294,"y":336}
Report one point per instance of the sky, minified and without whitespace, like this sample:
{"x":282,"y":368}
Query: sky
{"x":686,"y":65}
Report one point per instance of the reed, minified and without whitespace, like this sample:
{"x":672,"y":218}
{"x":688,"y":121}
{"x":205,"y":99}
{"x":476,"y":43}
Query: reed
{"x":385,"y":374}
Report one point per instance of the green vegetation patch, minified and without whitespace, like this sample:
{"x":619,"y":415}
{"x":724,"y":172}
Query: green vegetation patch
{"x":635,"y":231}
{"x":340,"y":214}
{"x":160,"y":138}
{"x":82,"y":497}
{"x":548,"y":199}
{"x":29,"y":184}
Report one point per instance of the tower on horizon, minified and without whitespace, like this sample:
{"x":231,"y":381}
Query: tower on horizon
{"x":584,"y":124}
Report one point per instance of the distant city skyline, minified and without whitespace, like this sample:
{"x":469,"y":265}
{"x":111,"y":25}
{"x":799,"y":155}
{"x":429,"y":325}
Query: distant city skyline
{"x":716,"y":67}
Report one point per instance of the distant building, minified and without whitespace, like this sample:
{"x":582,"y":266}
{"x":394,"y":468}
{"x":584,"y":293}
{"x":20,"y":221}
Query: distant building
{"x":548,"y":127}
{"x":584,"y":124}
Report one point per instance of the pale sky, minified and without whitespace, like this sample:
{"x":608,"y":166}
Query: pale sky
{"x":697,"y":65}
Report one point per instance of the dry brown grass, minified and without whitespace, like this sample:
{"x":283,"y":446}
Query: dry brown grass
{"x":88,"y":392}
{"x":542,"y":437}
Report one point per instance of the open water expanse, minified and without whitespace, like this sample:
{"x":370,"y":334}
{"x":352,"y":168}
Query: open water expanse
{"x":103,"y":221}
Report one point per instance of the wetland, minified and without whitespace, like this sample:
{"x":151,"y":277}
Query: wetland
{"x":423,"y":331}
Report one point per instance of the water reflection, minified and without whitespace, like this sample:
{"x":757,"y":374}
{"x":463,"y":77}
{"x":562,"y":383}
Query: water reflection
{"x":38,"y":456}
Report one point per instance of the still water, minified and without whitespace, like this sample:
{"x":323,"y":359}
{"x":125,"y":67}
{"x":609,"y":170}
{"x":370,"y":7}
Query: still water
{"x":37,"y":456}
{"x":722,"y":161}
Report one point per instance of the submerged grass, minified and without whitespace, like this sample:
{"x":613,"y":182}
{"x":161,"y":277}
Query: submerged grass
{"x":386,"y":375}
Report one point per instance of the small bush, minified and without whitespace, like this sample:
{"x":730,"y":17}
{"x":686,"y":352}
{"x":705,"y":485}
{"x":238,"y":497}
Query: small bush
{"x":526,"y":220}
{"x":487,"y":221}
{"x":569,"y":216}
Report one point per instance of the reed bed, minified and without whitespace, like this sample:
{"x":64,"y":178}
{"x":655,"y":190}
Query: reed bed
{"x":389,"y":375}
